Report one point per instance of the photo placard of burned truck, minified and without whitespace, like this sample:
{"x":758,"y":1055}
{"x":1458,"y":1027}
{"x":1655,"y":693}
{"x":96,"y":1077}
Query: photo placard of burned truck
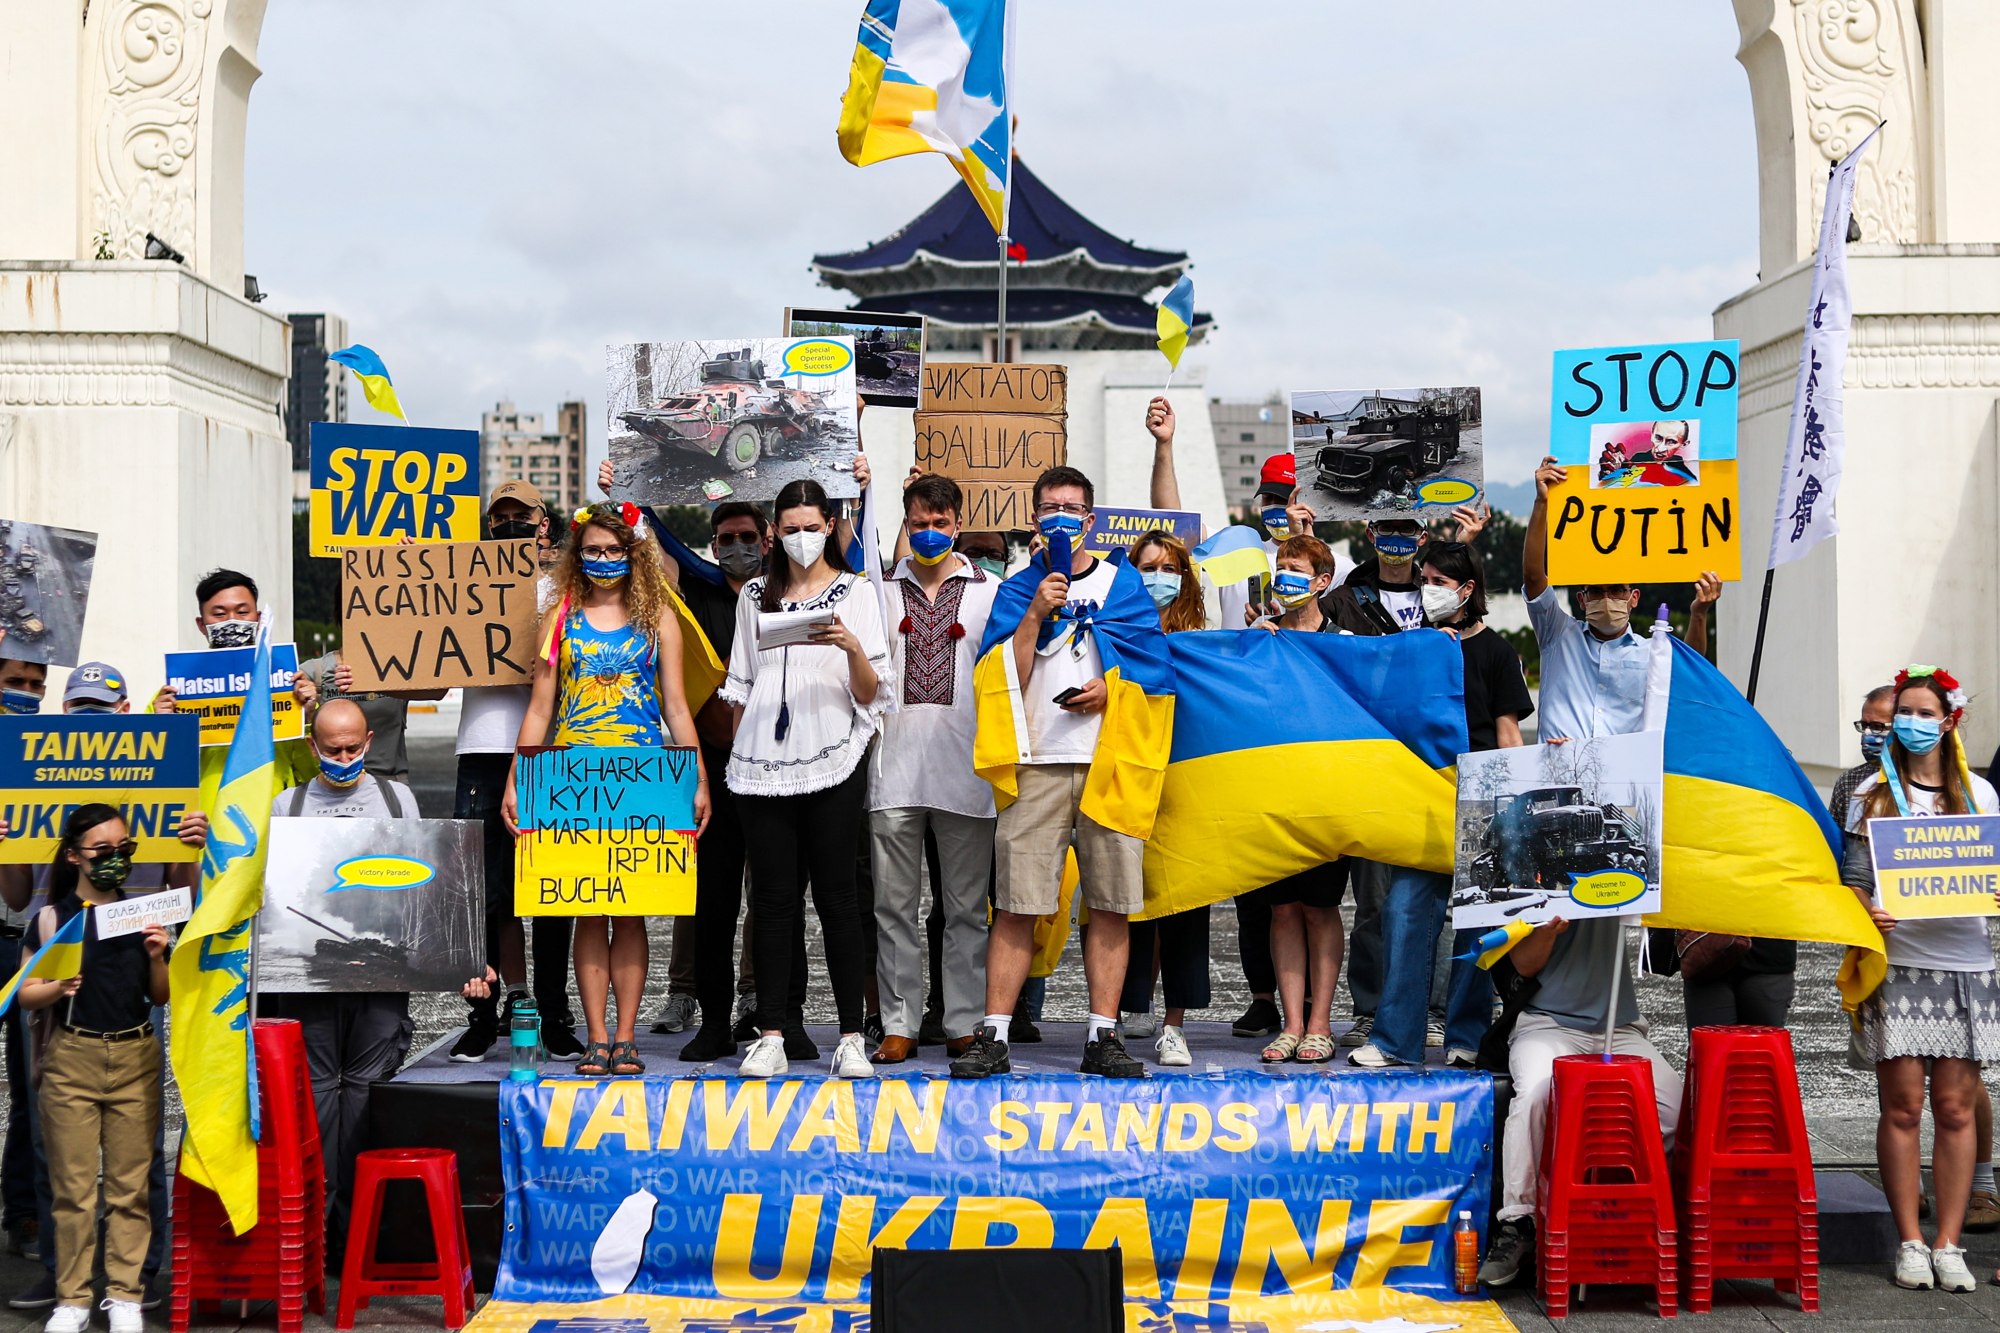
{"x":1388,"y":453}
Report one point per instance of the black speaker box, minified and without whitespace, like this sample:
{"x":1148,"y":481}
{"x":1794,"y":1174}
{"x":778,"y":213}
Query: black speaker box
{"x":997,"y":1291}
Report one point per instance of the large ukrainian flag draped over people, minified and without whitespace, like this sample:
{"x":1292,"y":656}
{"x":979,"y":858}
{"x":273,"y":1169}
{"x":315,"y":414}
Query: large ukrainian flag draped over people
{"x":1291,"y":750}
{"x":1122,"y":791}
{"x":931,"y":77}
{"x":213,"y":1059}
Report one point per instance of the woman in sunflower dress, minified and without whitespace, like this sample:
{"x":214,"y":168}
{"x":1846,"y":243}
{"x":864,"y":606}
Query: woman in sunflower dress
{"x":612,"y":679}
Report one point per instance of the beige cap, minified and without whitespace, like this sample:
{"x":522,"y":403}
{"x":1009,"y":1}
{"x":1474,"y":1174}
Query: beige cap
{"x":517,"y":490}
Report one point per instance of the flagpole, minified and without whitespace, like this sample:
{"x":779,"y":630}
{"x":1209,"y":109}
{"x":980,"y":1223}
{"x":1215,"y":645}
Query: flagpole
{"x":1617,"y":975}
{"x":1757,"y":650}
{"x":1000,"y":352}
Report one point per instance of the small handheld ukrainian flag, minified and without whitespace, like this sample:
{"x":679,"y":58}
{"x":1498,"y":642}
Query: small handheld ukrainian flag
{"x":1233,"y":555}
{"x":1175,"y":321}
{"x":58,"y":960}
{"x":374,"y":377}
{"x":1496,"y":944}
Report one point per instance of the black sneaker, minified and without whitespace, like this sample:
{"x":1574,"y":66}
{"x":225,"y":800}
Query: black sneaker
{"x":746,"y":1028}
{"x":1261,"y":1019}
{"x":986,"y":1056}
{"x":798,"y":1046}
{"x":711,"y":1042}
{"x":1022,"y":1031}
{"x":40,"y":1296}
{"x":931,"y":1031}
{"x":482,"y":1029}
{"x":1106,"y":1056}
{"x":559,"y":1040}
{"x":1509,"y":1251}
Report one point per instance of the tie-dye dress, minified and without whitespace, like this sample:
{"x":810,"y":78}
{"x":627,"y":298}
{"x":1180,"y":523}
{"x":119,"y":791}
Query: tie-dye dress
{"x":609,"y":687}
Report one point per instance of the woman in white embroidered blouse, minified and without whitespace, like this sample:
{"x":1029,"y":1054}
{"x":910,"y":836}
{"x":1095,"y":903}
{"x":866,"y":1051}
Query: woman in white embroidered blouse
{"x":804,"y":717}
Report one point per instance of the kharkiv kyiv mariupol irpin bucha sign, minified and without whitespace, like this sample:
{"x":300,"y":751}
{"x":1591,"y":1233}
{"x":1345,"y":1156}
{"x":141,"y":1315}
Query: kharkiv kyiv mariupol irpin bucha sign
{"x":210,"y":684}
{"x":375,"y":485}
{"x":441,"y":616}
{"x":148,"y":766}
{"x":1647,"y":435}
{"x":605,"y":831}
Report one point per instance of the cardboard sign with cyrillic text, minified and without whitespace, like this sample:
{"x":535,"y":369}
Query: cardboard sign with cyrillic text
{"x":148,"y":765}
{"x":1647,"y":436}
{"x":1945,"y":865}
{"x":441,"y":616}
{"x":605,"y":831}
{"x":993,"y":429}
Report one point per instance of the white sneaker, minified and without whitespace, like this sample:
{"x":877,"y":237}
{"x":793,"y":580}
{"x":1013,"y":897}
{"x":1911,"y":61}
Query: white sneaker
{"x":1913,"y":1266}
{"x":1371,"y":1056}
{"x":1173,"y":1048}
{"x":766,"y":1059}
{"x":76,"y":1318}
{"x":1434,"y":1034}
{"x":1138,"y":1027}
{"x":125,"y":1316}
{"x":850,"y":1058}
{"x":1462,"y":1057}
{"x":1948,"y":1263}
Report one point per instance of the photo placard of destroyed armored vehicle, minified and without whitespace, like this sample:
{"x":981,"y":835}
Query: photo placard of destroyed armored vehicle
{"x":1388,"y":453}
{"x":700,"y":422}
{"x":888,"y":350}
{"x":44,"y":587}
{"x":1566,"y":830}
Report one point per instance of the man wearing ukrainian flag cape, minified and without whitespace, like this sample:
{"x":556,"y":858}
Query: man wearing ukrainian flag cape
{"x":1076,"y":712}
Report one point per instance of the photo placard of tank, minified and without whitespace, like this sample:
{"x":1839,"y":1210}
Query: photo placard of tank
{"x":697,"y":423}
{"x":372,"y":905}
{"x":888,"y":350}
{"x":1388,"y":453}
{"x":44,"y":586}
{"x":1569,"y":830}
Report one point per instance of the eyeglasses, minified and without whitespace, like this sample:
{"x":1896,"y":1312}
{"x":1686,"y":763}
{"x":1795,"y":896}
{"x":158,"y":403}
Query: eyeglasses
{"x":604,"y":552}
{"x":1597,"y":590}
{"x":1873,"y":728}
{"x":126,"y":848}
{"x":1050,"y":510}
{"x":723,"y":539}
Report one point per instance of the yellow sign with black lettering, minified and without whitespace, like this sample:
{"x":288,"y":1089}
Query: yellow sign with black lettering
{"x":377,"y":485}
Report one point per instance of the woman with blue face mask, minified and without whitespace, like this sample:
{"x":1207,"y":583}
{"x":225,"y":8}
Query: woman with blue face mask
{"x":1166,"y":567}
{"x":1936,"y":1015}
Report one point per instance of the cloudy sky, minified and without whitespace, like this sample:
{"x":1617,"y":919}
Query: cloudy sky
{"x":1420,"y":193}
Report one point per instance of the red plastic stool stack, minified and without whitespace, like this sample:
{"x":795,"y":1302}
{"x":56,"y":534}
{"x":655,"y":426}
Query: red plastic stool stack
{"x":450,"y":1277}
{"x":1744,"y":1167}
{"x":1605,"y":1209}
{"x":283,"y":1257}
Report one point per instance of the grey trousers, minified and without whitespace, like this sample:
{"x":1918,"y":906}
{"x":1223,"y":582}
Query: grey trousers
{"x":965,"y":854}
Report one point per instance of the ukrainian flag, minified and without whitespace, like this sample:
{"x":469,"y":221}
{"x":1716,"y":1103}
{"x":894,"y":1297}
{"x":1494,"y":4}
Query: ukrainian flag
{"x":1122,"y":790}
{"x":1293,"y":749}
{"x":1176,"y":319}
{"x":1496,"y":944}
{"x":374,"y":377}
{"x":58,"y":960}
{"x":934,"y":80}
{"x":209,"y":973}
{"x":1749,"y":847}
{"x":1232,"y":555}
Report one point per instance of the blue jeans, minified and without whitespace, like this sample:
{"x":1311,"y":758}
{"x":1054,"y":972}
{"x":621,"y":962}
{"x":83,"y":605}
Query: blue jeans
{"x":1413,"y":912}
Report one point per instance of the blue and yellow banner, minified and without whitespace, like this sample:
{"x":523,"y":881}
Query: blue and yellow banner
{"x":1216,"y":1187}
{"x":1936,"y":867}
{"x":1291,"y":750}
{"x":1117,"y":530}
{"x":149,"y":766}
{"x":214,"y":685}
{"x":375,"y":485}
{"x":605,"y":831}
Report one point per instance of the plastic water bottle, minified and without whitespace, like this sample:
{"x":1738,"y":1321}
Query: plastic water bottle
{"x":524,"y":1036}
{"x":1465,"y":1256}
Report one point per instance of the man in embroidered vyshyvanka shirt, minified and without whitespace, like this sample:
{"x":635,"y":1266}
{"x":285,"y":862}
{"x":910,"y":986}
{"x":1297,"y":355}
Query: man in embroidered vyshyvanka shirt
{"x":921,"y":777}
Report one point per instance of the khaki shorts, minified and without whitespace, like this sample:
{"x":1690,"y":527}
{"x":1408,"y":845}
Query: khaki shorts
{"x":1035,"y":831}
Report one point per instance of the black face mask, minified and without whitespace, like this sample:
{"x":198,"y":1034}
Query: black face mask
{"x":513,"y":529}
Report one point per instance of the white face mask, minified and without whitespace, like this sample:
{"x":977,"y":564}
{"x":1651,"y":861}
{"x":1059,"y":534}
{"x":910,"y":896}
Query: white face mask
{"x":805,"y":547}
{"x":1442,"y":604}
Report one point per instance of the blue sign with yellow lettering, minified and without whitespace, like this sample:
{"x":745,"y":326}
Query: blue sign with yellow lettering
{"x":149,"y":766}
{"x":375,"y":485}
{"x":1236,"y":1184}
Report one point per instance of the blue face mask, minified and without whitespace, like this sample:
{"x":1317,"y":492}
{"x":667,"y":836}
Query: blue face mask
{"x":1162,"y":585}
{"x":341,"y":775}
{"x":1062,"y":532}
{"x":929,"y":545}
{"x":1277,"y":523}
{"x":1291,"y":588}
{"x":1918,"y":735}
{"x":1872,"y":743}
{"x":1395,"y":547}
{"x":19,"y":702}
{"x":607,"y":573}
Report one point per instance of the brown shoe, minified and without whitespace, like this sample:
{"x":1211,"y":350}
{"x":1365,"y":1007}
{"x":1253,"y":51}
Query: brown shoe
{"x":893,"y":1051}
{"x":1983,"y":1212}
{"x":957,"y":1046}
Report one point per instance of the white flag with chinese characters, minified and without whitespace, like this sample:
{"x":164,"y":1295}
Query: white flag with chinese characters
{"x":1818,"y":435}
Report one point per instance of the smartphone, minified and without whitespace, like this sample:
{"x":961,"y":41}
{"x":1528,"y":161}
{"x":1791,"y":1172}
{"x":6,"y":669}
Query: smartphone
{"x":1062,"y":700}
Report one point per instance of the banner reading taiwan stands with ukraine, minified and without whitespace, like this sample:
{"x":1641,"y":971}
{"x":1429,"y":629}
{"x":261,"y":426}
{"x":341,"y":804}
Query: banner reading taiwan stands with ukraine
{"x":1231,"y":1186}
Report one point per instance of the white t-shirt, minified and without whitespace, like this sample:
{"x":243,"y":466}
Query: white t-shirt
{"x":924,"y":758}
{"x":1068,"y":659}
{"x":1946,"y":944}
{"x":489,"y":716}
{"x":1406,"y":606}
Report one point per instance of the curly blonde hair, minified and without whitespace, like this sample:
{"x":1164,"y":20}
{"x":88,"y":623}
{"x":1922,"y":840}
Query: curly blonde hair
{"x":646,"y":591}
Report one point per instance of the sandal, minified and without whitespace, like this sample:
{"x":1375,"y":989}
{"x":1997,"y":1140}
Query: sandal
{"x":1280,"y":1050}
{"x":1315,"y":1050}
{"x":625,"y":1061}
{"x":596,"y":1061}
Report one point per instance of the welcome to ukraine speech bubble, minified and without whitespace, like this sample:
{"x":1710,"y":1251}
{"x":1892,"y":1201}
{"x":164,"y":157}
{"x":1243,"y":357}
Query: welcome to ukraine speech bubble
{"x":381,"y":873}
{"x":1607,"y":888}
{"x":817,"y":356}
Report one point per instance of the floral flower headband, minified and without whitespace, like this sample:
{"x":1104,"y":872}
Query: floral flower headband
{"x":628,"y":514}
{"x":1953,"y":693}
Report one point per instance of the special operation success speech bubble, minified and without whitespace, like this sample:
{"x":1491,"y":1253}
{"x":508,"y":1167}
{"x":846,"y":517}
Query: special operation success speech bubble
{"x":817,"y":356}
